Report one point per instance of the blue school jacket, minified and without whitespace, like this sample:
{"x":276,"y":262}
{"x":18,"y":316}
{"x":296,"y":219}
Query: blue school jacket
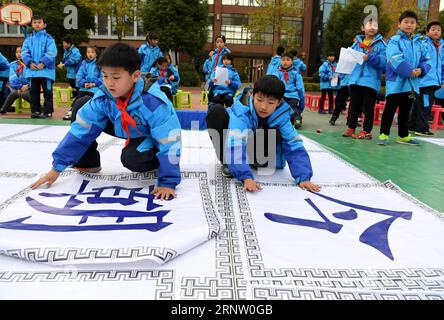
{"x":89,"y":72}
{"x":17,"y":78}
{"x":171,"y":70}
{"x":40,"y":47}
{"x":299,"y":65}
{"x":4,"y":66}
{"x":403,"y":55}
{"x":325,"y":73}
{"x":156,"y":120}
{"x":294,"y":85}
{"x":72,"y":59}
{"x":435,"y":76}
{"x":149,"y":55}
{"x":369,"y":73}
{"x":207,"y":70}
{"x":292,"y":149}
{"x":219,"y":61}
{"x":274,"y":64}
{"x":235,"y":84}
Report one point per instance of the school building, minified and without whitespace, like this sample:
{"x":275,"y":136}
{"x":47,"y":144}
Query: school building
{"x":229,"y":17}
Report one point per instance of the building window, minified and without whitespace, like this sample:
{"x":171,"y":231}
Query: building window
{"x":295,"y":27}
{"x":249,"y":3}
{"x":210,"y":27}
{"x":102,"y":25}
{"x":423,"y":8}
{"x":235,"y":31}
{"x":326,"y":7}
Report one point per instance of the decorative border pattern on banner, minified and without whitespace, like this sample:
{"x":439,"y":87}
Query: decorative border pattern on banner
{"x":229,"y":282}
{"x":388,"y":279}
{"x":51,"y":255}
{"x":164,"y":279}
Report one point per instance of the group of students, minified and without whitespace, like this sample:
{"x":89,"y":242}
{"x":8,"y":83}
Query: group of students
{"x":132,"y":107}
{"x":124,"y":92}
{"x":285,"y":66}
{"x":35,"y":70}
{"x":414,"y":68}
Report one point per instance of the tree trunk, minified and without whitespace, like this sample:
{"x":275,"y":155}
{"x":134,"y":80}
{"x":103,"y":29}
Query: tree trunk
{"x":175,"y":56}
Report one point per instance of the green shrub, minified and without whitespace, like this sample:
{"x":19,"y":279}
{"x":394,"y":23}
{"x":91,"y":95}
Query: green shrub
{"x":189,"y":77}
{"x":312,"y":87}
{"x":308,"y":79}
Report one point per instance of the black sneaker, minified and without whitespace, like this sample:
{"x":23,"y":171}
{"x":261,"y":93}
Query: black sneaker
{"x":47,"y":115}
{"x":332,"y":121}
{"x":226,"y":171}
{"x":36,"y":115}
{"x":424,"y":134}
{"x":297,"y":123}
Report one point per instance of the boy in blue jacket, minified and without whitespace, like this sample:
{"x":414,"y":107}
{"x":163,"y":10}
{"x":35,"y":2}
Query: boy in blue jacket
{"x":39,"y":52}
{"x":4,"y":73}
{"x":432,"y":81}
{"x":276,"y":60}
{"x":224,"y":93}
{"x":88,"y":78}
{"x":265,"y":109}
{"x":365,"y":80}
{"x":326,"y":73}
{"x":167,"y":78}
{"x":406,"y":63}
{"x":72,"y":59}
{"x":150,"y":52}
{"x":19,"y":84}
{"x":294,"y":87}
{"x":126,"y":107}
{"x":298,"y":63}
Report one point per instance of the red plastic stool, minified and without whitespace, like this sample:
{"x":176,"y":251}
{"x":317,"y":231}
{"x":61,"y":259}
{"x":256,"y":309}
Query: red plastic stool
{"x":437,"y":121}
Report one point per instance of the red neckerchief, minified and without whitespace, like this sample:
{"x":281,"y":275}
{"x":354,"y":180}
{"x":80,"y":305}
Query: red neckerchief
{"x":437,"y":45}
{"x":20,"y":68}
{"x":285,"y":71}
{"x":125,"y":117}
{"x":332,"y":67}
{"x":162,"y":72}
{"x":217,"y":60}
{"x":365,"y":47}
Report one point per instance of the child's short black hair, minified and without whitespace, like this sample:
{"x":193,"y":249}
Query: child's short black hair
{"x":288,"y":55}
{"x":294,"y":52}
{"x":120,"y":55}
{"x":228,"y":56}
{"x":67,"y":40}
{"x":270,"y":86}
{"x":96,"y":50}
{"x":331,"y":54}
{"x":408,"y":14}
{"x":433,"y":23}
{"x":220,"y":37}
{"x":161,"y":60}
{"x":152,"y":36}
{"x":38,"y":17}
{"x":280,"y":51}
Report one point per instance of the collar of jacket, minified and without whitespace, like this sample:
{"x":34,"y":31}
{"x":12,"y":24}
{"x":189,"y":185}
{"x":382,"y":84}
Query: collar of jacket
{"x":287,"y":69}
{"x":431,"y":41}
{"x":281,"y":109}
{"x":40,"y":32}
{"x":377,"y":38}
{"x":405,"y":36}
{"x":137,"y":94}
